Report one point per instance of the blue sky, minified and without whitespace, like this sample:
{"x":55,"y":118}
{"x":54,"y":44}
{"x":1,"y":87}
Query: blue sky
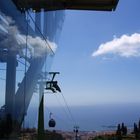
{"x":112,"y":75}
{"x":98,"y":56}
{"x":98,"y":59}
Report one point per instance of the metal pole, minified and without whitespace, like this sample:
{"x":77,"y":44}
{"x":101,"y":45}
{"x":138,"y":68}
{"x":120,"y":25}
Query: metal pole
{"x":41,"y":112}
{"x":76,"y":132}
{"x":10,"y":83}
{"x":38,"y":23}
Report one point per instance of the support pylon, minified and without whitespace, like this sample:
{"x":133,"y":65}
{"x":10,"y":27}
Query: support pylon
{"x":41,"y":113}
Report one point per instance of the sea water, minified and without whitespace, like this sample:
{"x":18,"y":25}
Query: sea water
{"x":88,"y":118}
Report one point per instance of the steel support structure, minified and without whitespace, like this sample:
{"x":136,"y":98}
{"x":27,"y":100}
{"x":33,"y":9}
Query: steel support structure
{"x":10,"y":83}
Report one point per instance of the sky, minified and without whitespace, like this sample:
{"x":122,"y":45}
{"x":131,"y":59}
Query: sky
{"x":99,"y":56}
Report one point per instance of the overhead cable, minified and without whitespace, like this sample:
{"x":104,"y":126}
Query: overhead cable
{"x":40,"y":32}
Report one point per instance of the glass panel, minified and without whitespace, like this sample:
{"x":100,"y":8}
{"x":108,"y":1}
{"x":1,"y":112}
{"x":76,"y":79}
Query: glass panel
{"x":28,"y":42}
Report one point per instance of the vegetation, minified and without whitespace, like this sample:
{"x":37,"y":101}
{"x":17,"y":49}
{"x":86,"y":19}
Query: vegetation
{"x":114,"y":137}
{"x":49,"y":136}
{"x":122,"y":134}
{"x":121,"y":131}
{"x":6,"y":126}
{"x":136,"y":130}
{"x":7,"y":131}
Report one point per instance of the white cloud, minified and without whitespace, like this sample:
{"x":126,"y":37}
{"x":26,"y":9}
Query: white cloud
{"x":4,"y":19}
{"x":38,"y":43}
{"x":3,"y":29}
{"x":125,"y":46}
{"x":13,"y":38}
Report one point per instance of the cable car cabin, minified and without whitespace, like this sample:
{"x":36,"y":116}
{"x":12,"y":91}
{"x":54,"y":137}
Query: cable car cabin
{"x":52,"y":123}
{"x":51,"y":5}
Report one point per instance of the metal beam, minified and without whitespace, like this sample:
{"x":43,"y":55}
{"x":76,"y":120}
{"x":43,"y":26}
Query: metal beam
{"x":41,"y":112}
{"x":50,"y":5}
{"x":23,"y":97}
{"x":10,"y":83}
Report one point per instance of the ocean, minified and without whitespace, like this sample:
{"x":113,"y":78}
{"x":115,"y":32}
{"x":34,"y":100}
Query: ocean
{"x":88,"y":118}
